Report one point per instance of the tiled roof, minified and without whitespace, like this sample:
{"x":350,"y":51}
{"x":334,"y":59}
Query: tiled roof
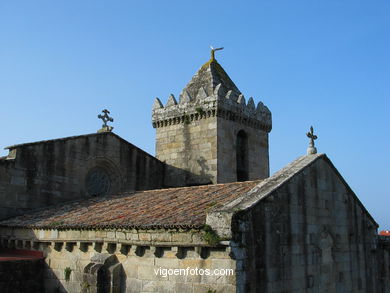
{"x":163,"y":208}
{"x":278,"y":179}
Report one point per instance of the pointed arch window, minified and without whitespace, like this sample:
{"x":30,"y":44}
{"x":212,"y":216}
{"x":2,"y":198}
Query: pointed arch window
{"x":242,"y":156}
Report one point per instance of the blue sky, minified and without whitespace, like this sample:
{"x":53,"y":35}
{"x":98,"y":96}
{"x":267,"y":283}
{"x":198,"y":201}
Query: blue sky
{"x":320,"y":63}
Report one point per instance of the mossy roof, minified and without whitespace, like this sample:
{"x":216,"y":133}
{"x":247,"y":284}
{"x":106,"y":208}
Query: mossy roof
{"x":161,"y":208}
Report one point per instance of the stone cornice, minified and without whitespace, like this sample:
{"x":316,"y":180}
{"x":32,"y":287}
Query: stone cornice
{"x":230,"y":106}
{"x":160,"y":237}
{"x":127,"y":242}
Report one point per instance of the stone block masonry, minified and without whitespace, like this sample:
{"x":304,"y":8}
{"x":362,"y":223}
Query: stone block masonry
{"x":132,"y":259}
{"x":309,"y":235}
{"x":45,"y":173}
{"x":197,"y":137}
{"x":300,"y":230}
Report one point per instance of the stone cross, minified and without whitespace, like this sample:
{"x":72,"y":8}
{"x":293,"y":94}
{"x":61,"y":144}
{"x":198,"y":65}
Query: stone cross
{"x":106,"y":118}
{"x":311,"y":150}
{"x":213,"y":52}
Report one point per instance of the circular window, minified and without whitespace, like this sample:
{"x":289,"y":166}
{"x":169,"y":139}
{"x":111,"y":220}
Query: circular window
{"x":97,"y":182}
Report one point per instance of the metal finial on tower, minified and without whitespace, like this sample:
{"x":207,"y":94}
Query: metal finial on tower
{"x":213,"y":52}
{"x":311,"y":150}
{"x":106,"y":118}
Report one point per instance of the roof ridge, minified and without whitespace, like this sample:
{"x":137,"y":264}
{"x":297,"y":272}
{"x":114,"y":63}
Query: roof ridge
{"x":56,"y":139}
{"x":271,"y":183}
{"x":77,"y":137}
{"x":195,"y":186}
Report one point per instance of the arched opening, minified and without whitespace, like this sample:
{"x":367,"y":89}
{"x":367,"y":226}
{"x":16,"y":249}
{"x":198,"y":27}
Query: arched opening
{"x":102,"y":177}
{"x":242,"y":156}
{"x":98,"y":182}
{"x":104,"y":274}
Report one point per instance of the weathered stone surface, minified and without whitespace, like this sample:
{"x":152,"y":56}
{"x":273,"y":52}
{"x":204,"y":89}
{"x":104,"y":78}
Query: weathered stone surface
{"x":157,"y":104}
{"x":301,"y":230}
{"x":287,"y":248}
{"x":49,"y":172}
{"x":197,"y":138}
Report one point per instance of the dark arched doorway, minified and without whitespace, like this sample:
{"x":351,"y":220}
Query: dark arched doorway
{"x":104,"y":274}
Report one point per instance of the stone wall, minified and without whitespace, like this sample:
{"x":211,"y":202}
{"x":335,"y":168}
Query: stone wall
{"x":190,"y":151}
{"x":128,"y":259}
{"x":197,"y":138}
{"x":45,"y":173}
{"x":257,"y":152}
{"x":383,"y":257}
{"x":311,"y":234}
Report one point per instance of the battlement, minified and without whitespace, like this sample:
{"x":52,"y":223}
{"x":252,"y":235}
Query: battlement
{"x":230,"y":105}
{"x":211,"y":134}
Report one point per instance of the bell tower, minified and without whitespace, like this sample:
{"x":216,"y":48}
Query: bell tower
{"x":211,"y":135}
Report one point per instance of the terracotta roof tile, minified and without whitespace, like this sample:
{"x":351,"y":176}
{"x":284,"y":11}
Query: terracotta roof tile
{"x":173,"y":207}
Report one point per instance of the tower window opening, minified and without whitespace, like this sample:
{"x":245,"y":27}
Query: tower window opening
{"x":242,"y":156}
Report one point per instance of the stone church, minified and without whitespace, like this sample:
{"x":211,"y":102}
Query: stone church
{"x":97,"y":214}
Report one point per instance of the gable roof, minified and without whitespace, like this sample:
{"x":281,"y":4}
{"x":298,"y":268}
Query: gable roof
{"x":270,"y":184}
{"x":267,"y":186}
{"x":77,"y":137}
{"x":162,"y":208}
{"x":68,"y":138}
{"x":52,"y":140}
{"x":185,"y":207}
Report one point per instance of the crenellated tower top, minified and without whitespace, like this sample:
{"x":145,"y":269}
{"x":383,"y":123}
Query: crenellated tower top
{"x":211,"y":93}
{"x":203,"y":125}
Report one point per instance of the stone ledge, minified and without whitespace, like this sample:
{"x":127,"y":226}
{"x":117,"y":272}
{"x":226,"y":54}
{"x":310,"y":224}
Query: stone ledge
{"x":180,"y":250}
